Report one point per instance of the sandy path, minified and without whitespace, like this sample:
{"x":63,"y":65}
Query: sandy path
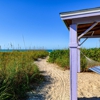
{"x":56,"y":86}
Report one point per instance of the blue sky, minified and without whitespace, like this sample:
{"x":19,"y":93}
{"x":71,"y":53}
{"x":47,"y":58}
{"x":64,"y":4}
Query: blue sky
{"x":37,"y":23}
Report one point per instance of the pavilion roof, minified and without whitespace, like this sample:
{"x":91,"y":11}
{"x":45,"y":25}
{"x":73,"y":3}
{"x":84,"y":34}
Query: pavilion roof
{"x":84,"y":19}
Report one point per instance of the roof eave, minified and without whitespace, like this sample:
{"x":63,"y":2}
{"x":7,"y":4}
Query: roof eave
{"x":74,"y":16}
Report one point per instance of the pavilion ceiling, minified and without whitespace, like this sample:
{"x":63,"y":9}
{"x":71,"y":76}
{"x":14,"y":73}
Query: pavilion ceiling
{"x":94,"y":32}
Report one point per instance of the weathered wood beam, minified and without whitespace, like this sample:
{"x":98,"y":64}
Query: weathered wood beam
{"x":87,"y":30}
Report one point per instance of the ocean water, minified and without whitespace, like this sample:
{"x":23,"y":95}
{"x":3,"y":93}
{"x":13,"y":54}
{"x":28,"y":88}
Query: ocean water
{"x":49,"y":50}
{"x":10,"y":50}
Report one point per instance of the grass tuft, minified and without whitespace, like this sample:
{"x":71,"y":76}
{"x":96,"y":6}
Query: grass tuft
{"x":17,"y":72}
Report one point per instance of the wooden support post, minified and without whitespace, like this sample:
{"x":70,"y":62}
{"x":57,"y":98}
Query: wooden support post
{"x":73,"y":61}
{"x":78,"y":70}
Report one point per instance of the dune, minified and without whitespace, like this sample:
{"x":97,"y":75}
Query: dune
{"x":57,"y":84}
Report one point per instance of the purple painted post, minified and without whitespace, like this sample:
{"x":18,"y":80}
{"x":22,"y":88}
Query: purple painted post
{"x":73,"y":61}
{"x":78,"y":70}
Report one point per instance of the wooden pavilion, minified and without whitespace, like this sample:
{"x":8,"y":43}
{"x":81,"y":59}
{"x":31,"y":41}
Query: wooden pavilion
{"x":81,"y":24}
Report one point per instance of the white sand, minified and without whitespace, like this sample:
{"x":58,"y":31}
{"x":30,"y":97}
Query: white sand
{"x":57,"y":85}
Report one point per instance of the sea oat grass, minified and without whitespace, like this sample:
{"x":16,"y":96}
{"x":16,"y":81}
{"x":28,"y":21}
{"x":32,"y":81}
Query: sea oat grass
{"x":17,"y":72}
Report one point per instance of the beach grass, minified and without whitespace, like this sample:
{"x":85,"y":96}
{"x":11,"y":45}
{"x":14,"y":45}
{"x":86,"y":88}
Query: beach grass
{"x":17,"y":72}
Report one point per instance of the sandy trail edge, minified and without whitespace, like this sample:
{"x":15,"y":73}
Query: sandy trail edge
{"x":57,"y":86}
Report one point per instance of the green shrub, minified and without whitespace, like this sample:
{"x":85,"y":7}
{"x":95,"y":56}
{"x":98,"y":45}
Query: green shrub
{"x":62,"y":62}
{"x":83,"y":64}
{"x":57,"y":54}
{"x":61,"y":58}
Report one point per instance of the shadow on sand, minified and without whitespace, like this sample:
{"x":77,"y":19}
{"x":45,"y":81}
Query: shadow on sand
{"x":39,"y":92}
{"x":92,"y":98}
